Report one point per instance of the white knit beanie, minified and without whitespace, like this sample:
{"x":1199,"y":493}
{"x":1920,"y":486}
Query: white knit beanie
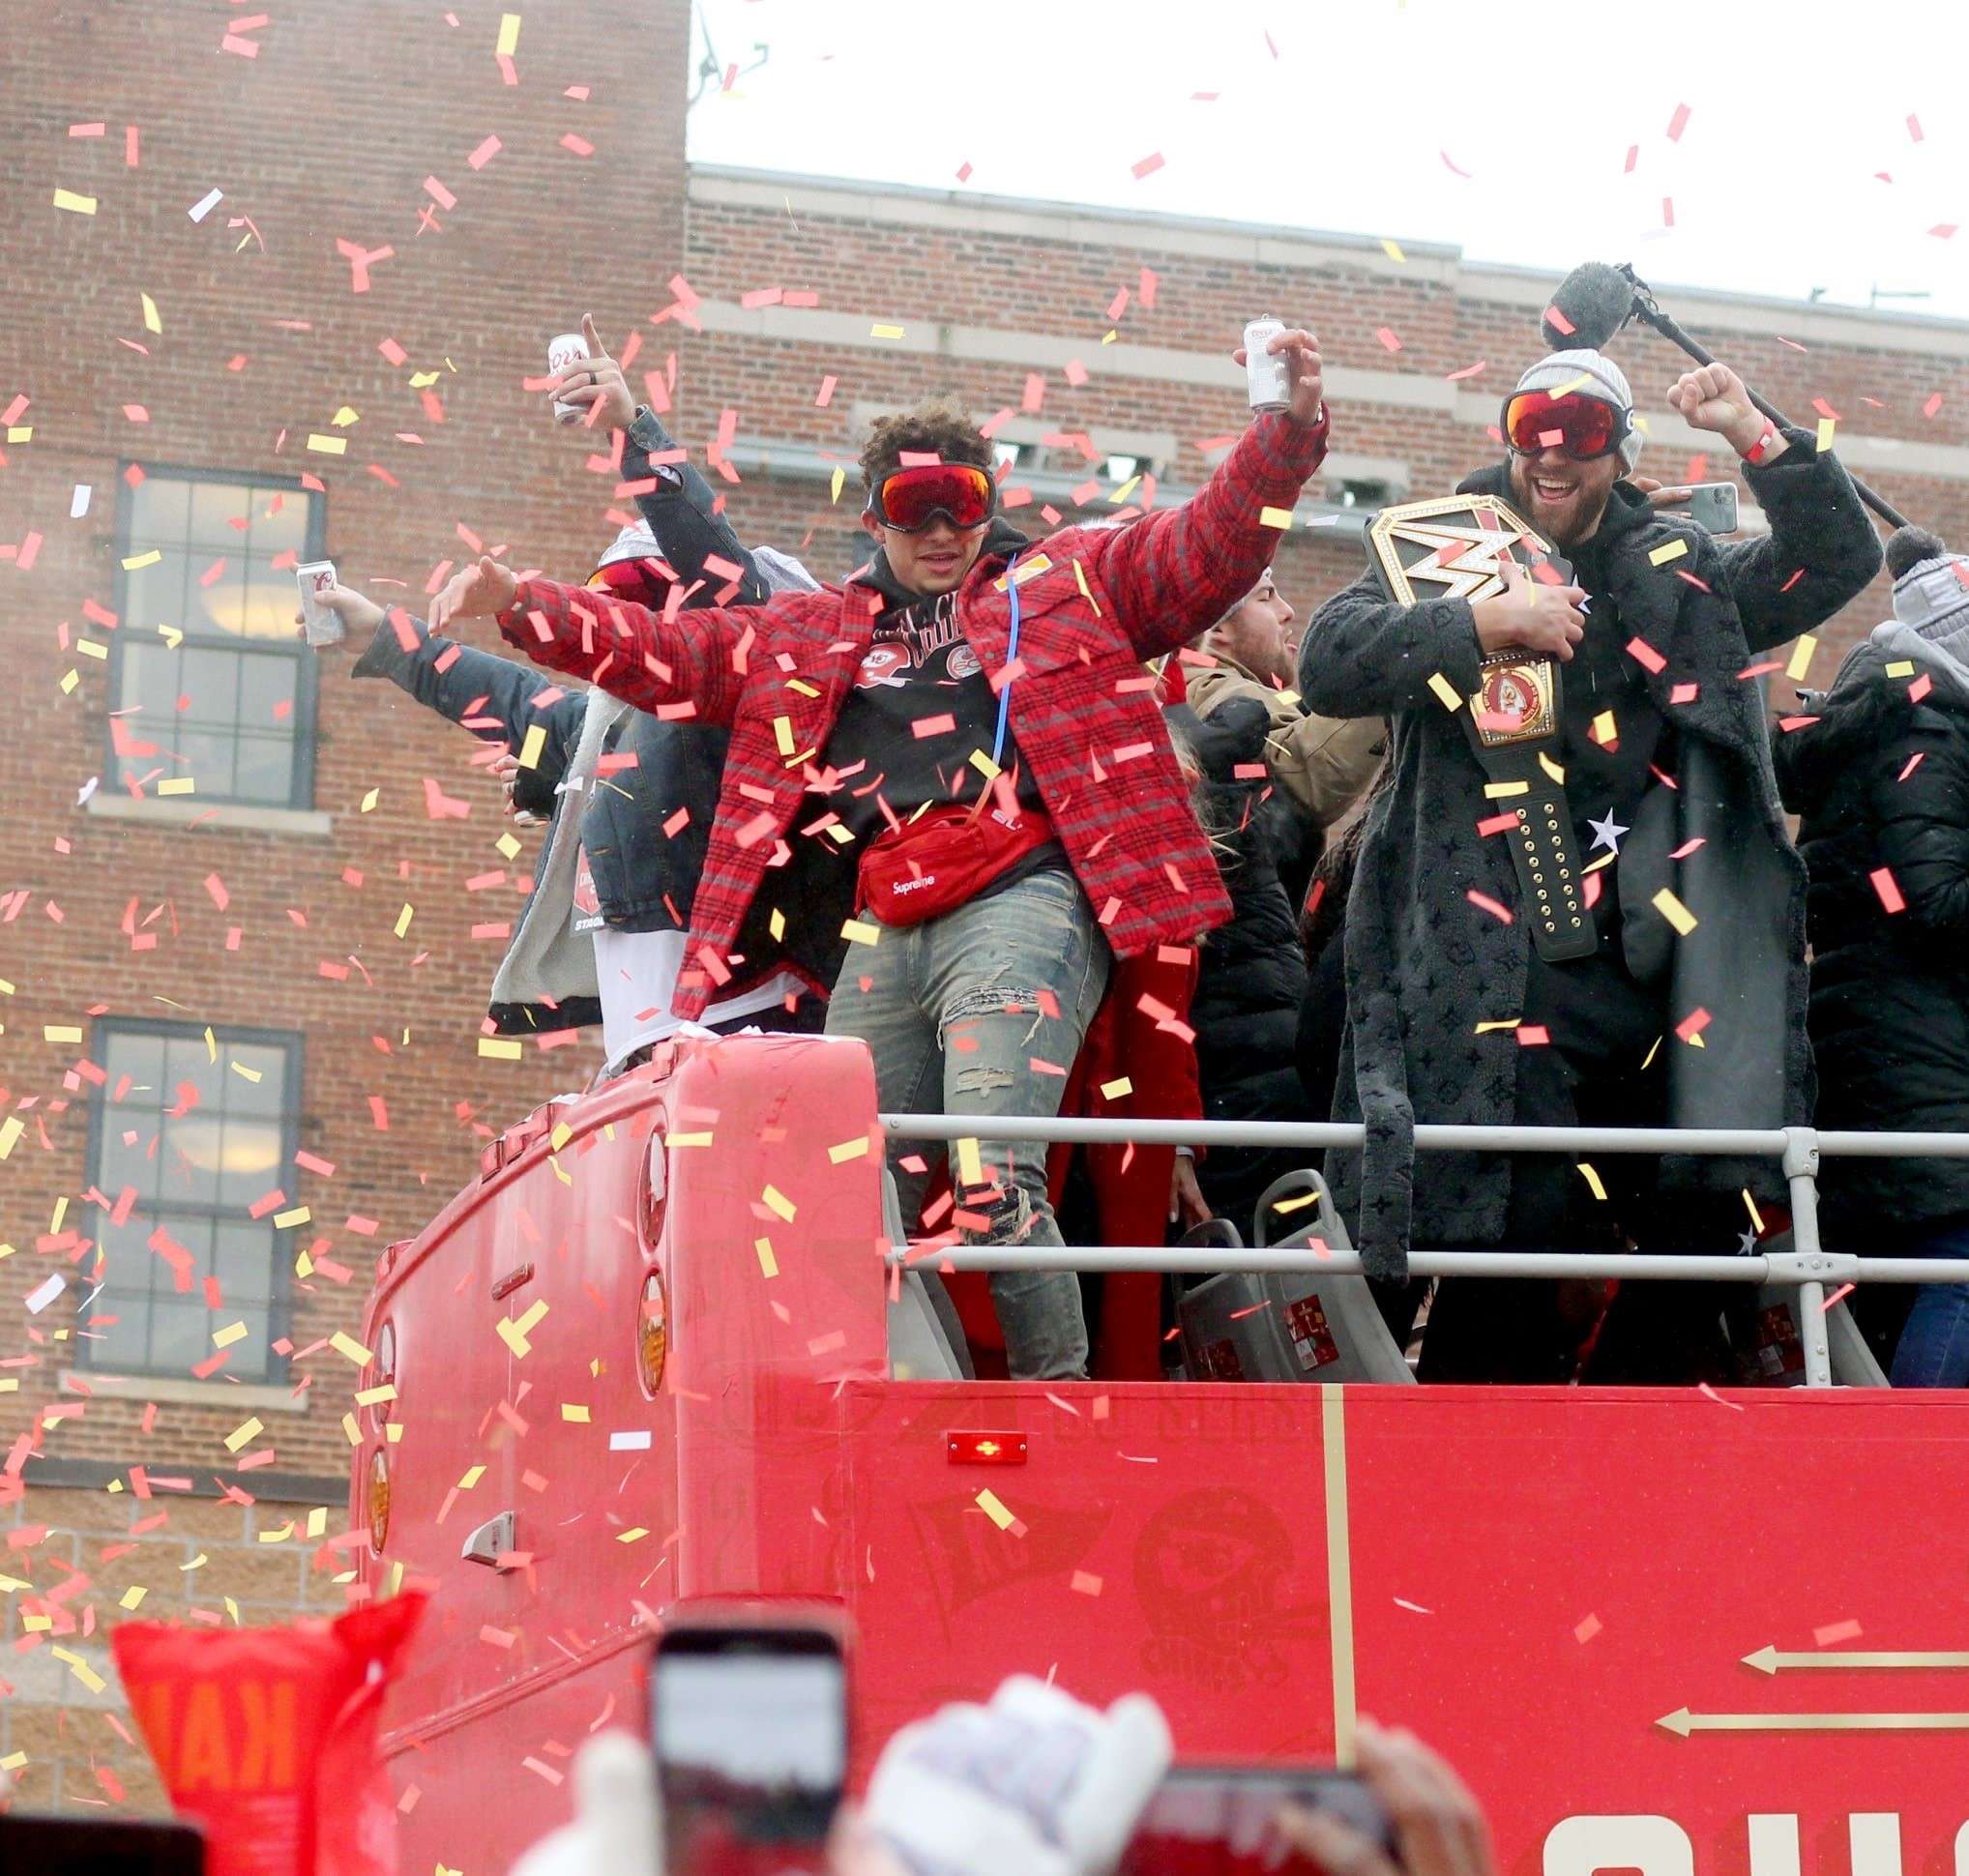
{"x":636,"y":542}
{"x":1933,"y":598}
{"x":1592,"y":374}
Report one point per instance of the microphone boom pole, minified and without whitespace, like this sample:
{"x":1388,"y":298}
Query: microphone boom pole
{"x":1650,"y":315}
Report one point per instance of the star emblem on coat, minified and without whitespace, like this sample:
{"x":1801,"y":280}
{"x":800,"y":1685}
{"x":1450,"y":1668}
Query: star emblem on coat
{"x":1607,"y":832}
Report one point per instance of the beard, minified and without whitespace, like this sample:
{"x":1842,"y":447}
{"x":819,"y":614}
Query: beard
{"x":1565,"y":522}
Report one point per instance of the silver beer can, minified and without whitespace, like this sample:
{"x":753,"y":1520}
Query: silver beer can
{"x":1268,"y":378}
{"x":319,"y":623}
{"x":562,"y":353}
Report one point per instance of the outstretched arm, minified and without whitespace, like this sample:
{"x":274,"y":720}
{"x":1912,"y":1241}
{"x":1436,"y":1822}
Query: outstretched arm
{"x":1178,"y":571}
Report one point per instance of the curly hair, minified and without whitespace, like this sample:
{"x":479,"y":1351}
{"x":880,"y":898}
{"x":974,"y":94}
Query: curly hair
{"x":936,"y":426}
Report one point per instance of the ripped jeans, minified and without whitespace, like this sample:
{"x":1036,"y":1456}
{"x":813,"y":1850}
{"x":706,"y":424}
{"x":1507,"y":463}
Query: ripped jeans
{"x":951,"y":1011}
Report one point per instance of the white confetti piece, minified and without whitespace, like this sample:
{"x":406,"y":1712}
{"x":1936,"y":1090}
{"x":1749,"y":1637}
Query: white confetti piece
{"x":43,"y":1294}
{"x":205,"y":204}
{"x":630,"y":1442}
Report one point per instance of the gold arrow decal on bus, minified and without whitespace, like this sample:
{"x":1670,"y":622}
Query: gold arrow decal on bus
{"x":1683,"y":1722}
{"x":1768,"y":1661}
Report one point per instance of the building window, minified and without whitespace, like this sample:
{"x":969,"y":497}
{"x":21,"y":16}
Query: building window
{"x":208,"y":680}
{"x":192,"y":1132}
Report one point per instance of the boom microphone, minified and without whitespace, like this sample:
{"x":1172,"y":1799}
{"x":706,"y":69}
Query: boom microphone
{"x":1595,"y":301}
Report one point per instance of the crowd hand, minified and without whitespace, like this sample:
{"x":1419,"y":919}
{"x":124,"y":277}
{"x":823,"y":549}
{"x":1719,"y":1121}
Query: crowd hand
{"x":615,"y":1829}
{"x":504,"y":768}
{"x":1530,"y":614}
{"x":1036,"y":1783}
{"x":1187,"y":1207}
{"x":1303,"y":370}
{"x":594,"y":381}
{"x":1439,"y":1828}
{"x":356,"y":609}
{"x":482,"y":590}
{"x":1713,"y":397}
{"x":1659,"y":496}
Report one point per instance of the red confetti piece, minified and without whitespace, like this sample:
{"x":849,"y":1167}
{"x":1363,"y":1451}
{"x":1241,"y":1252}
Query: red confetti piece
{"x":1452,"y":167}
{"x":483,"y":154}
{"x":1668,"y":211}
{"x":1890,"y":892}
{"x":1558,"y":321}
{"x":579,"y":145}
{"x":1633,"y":157}
{"x":1678,"y":123}
{"x":1692,"y":1025}
{"x":1913,"y":763}
{"x":1484,"y":902}
{"x":1646,"y":656}
{"x":1533,"y":1036}
{"x":443,"y":198}
{"x":1920,"y":687}
{"x":1933,"y":404}
{"x":1589,"y":893}
{"x":1790,"y":723}
{"x":1943,"y":230}
{"x":1469,"y":371}
{"x":1496,"y":824}
{"x":1584,"y":1630}
{"x":1148,"y":165}
{"x":1913,"y":128}
{"x":963,"y":172}
{"x":1389,"y":342}
{"x":1836,"y":1631}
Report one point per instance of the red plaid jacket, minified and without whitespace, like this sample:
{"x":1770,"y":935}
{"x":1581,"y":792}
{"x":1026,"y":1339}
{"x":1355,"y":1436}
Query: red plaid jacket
{"x":1094,"y":601}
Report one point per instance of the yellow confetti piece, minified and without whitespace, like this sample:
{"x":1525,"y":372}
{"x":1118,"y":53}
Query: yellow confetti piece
{"x":634,"y":1533}
{"x":1114,"y":1090}
{"x":131,"y":1597}
{"x":507,"y":846}
{"x":1498,"y":791}
{"x":317,"y":1521}
{"x":858,"y":932}
{"x":1901,"y":667}
{"x":295,"y":1215}
{"x":1446,"y":694}
{"x":473,"y":1474}
{"x":21,"y":432}
{"x":509,"y":36}
{"x":885,"y":332}
{"x":1668,"y":550}
{"x":135,"y":563}
{"x":1086,"y":591}
{"x":1801,"y":657}
{"x":530,"y":748}
{"x":1552,"y":769}
{"x":351,"y":1430}
{"x":377,"y":1396}
{"x":70,"y":678}
{"x":1603,"y":730}
{"x":848,"y":1150}
{"x":501,"y":1048}
{"x":75,"y":204}
{"x":1392,"y":250}
{"x":783,"y":734}
{"x":779,"y":1204}
{"x":1756,"y":1216}
{"x":404,"y":919}
{"x":1674,"y":911}
{"x":1592,"y":1179}
{"x":513,"y":1336}
{"x":233,"y":1332}
{"x":993,"y":1507}
{"x":81,"y":1669}
{"x":1498,"y":1023}
{"x":178,"y":785}
{"x":700,"y":1140}
{"x":60,"y":1033}
{"x":281,"y":1536}
{"x":250,"y":1429}
{"x":150,"y":322}
{"x":970,"y":1163}
{"x":304,"y":1265}
{"x":13,"y":1762}
{"x":36,"y":1625}
{"x":1826,"y":427}
{"x":560,"y":1137}
{"x":10,"y":1131}
{"x":327,"y":445}
{"x":350,"y":1350}
{"x":576,"y":1412}
{"x":1275,"y":517}
{"x":375,"y":795}
{"x":776,"y":923}
{"x":839,"y":477}
{"x":89,"y":648}
{"x":769,"y":1265}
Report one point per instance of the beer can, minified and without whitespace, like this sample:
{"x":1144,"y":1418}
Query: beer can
{"x":562,"y":353}
{"x":319,"y":623}
{"x":1268,"y":378}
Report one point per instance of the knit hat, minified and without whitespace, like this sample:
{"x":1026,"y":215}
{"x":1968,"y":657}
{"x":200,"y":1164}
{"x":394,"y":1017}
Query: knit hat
{"x":1592,"y":374}
{"x":1930,"y":586}
{"x":636,"y":542}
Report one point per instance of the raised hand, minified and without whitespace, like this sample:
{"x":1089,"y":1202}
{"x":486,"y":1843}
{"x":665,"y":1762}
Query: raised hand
{"x":479,"y":591}
{"x":1303,"y":370}
{"x":1713,"y":397}
{"x":355,"y":609}
{"x":595,"y":381}
{"x":1527,"y":614}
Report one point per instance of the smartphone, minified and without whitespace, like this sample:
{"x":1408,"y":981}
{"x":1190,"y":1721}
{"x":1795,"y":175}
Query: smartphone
{"x":1220,"y":1820}
{"x":749,"y":1715}
{"x":321,"y":626}
{"x":100,"y":1846}
{"x":1712,"y":507}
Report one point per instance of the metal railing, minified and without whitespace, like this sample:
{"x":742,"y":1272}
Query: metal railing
{"x":1808,"y":1265}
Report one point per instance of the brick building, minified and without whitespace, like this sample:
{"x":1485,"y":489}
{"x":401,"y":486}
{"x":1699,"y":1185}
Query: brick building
{"x":330,"y":359}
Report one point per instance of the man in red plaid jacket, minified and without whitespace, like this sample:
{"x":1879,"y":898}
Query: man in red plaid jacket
{"x":959,"y":749}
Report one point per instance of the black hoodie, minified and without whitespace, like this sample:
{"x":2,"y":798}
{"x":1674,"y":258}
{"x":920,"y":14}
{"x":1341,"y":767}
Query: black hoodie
{"x":1880,"y":782}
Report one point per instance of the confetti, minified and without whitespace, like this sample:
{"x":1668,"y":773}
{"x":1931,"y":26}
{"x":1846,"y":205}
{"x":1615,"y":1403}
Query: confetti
{"x":1148,"y":165}
{"x":205,"y":204}
{"x":1883,"y":881}
{"x":74,"y":203}
{"x":1674,"y":911}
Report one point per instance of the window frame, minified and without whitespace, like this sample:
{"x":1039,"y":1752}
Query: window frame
{"x":307,"y":680}
{"x":279,"y":1285}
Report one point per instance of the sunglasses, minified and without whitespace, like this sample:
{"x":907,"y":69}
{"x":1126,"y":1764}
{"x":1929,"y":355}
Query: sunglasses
{"x":1583,"y":427}
{"x":909,"y":500}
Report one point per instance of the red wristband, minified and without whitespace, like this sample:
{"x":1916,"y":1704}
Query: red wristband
{"x":1755,"y":453}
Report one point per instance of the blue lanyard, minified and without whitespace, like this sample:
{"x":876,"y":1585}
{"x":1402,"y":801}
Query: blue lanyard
{"x":1010,"y":656}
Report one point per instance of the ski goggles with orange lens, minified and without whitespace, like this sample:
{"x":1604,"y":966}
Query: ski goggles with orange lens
{"x":1583,"y":427}
{"x":909,"y":500}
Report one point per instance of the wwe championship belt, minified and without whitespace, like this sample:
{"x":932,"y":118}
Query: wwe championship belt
{"x":1454,"y":549}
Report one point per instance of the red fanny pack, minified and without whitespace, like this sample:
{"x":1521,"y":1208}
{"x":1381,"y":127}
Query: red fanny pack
{"x":942,"y":858}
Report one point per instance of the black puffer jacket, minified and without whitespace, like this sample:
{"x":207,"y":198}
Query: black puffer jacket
{"x":1251,"y":971}
{"x":1881,"y":784}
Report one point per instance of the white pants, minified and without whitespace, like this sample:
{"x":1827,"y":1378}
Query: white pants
{"x":636,"y":974}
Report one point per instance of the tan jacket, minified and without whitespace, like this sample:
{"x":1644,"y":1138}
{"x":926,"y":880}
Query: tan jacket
{"x":1323,"y":763}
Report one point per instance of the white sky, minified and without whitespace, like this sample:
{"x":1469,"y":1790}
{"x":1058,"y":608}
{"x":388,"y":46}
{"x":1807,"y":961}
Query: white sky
{"x":1792,"y":108}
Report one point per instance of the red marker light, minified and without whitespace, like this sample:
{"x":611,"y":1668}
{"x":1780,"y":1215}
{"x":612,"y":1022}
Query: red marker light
{"x":984,"y":1448}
